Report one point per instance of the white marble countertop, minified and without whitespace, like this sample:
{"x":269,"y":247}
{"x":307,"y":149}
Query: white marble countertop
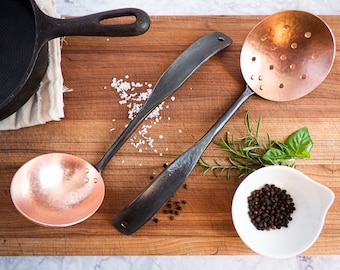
{"x":200,"y":7}
{"x":183,"y":7}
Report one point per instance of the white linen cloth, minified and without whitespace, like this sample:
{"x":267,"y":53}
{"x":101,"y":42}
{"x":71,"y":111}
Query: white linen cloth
{"x":47,"y":104}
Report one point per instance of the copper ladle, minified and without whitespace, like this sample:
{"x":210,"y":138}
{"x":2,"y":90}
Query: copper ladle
{"x":61,"y":190}
{"x":284,"y":57}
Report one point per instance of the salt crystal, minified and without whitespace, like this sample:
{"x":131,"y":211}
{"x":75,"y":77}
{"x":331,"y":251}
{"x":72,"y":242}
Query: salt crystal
{"x":180,"y":131}
{"x":134,"y":101}
{"x":125,"y":86}
{"x":161,"y":136}
{"x":172,"y":98}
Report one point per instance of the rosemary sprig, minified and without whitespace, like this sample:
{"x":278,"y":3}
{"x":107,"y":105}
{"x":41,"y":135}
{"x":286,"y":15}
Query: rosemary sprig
{"x":250,"y":152}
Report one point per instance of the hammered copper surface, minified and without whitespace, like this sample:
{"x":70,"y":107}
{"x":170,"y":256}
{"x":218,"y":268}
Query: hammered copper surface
{"x":287,"y":55}
{"x":57,"y":190}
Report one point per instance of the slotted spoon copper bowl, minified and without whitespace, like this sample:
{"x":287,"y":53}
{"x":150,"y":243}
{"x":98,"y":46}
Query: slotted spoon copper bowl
{"x":287,"y":55}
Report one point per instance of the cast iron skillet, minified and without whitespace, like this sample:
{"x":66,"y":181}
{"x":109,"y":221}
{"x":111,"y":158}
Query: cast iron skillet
{"x":24,"y":33}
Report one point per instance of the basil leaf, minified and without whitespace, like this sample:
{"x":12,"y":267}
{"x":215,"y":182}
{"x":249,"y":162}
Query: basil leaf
{"x":282,"y":146}
{"x":299,"y":143}
{"x":274,"y":154}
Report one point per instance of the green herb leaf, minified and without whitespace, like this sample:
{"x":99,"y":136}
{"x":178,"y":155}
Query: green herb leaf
{"x":299,"y":143}
{"x":274,"y":155}
{"x":250,"y":152}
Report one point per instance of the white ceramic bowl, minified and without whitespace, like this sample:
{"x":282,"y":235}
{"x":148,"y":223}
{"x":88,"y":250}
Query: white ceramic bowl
{"x":312,"y":201}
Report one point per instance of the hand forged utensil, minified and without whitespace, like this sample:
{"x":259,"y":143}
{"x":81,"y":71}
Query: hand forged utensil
{"x":284,"y":57}
{"x":61,"y":190}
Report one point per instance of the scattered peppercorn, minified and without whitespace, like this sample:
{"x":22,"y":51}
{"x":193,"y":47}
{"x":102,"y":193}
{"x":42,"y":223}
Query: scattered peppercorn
{"x":172,"y":207}
{"x":270,"y":208}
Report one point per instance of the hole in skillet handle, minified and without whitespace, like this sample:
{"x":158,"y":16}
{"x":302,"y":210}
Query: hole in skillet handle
{"x":119,"y":20}
{"x":124,"y":22}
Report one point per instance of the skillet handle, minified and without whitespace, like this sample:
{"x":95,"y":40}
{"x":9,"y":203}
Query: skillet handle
{"x":91,"y":25}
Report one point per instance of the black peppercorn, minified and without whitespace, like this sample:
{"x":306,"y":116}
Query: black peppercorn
{"x":270,"y":208}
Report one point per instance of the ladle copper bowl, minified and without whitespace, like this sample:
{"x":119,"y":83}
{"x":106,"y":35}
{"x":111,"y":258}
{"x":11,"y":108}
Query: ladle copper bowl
{"x":64,"y":188}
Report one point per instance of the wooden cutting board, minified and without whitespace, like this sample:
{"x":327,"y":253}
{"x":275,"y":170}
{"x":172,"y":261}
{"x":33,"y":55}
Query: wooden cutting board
{"x":204,"y":226}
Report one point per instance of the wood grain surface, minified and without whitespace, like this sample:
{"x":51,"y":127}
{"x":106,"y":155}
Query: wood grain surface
{"x":204,"y":226}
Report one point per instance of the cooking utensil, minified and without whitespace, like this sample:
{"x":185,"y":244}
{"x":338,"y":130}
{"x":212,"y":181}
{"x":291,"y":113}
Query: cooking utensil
{"x":60,"y":189}
{"x":284,"y":57}
{"x":24,"y":33}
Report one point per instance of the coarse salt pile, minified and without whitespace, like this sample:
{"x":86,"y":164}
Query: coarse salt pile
{"x":134,"y":95}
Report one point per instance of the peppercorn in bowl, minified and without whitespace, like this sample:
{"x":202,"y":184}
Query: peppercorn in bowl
{"x":279,"y":212}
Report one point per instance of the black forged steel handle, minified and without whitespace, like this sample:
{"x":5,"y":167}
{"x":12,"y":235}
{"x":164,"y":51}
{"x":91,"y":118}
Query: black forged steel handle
{"x":159,"y":191}
{"x":90,"y":25}
{"x":176,"y":74}
{"x":151,"y":199}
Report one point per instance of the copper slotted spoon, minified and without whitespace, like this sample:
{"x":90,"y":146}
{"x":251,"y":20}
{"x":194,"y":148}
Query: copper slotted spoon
{"x":283,"y":58}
